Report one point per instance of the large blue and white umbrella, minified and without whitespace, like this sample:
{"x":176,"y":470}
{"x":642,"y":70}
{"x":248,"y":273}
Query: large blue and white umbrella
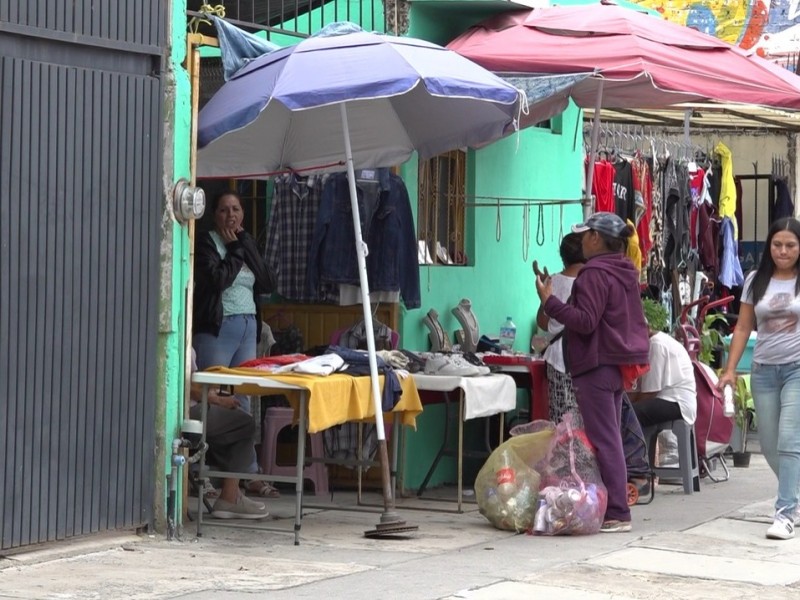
{"x":357,"y":100}
{"x":283,"y":110}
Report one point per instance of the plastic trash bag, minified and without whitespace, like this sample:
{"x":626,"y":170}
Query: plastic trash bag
{"x":571,"y":510}
{"x":572,"y":498}
{"x":507,"y":487}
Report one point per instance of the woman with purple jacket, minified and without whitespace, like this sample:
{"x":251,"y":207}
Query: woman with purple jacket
{"x":606,"y":345}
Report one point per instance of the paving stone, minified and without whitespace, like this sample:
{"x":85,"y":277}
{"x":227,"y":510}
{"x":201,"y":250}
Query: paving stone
{"x":762,"y":572}
{"x":513,"y":590}
{"x":139,"y":572}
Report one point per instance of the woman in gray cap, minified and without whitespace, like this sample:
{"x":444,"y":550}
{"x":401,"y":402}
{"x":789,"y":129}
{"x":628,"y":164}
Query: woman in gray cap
{"x":606,"y":346}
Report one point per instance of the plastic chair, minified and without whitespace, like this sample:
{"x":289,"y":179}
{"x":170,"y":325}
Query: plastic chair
{"x":275,"y":419}
{"x":688,"y":469}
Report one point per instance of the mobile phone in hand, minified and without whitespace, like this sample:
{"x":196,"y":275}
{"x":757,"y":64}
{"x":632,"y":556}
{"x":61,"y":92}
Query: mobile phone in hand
{"x":543,"y":275}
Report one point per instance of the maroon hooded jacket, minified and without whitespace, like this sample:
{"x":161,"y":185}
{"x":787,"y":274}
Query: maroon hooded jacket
{"x":603,"y":319}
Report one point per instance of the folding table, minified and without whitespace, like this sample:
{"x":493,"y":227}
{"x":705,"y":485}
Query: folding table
{"x":319,"y":402}
{"x":478,"y":396}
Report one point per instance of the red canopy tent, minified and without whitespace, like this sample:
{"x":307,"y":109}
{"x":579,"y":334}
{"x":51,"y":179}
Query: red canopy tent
{"x":635,"y":60}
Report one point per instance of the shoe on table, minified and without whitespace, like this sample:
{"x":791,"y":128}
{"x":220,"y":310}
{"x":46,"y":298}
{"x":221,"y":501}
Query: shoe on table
{"x":782,"y":527}
{"x":615,"y":526}
{"x":243,"y":508}
{"x":453,"y":366}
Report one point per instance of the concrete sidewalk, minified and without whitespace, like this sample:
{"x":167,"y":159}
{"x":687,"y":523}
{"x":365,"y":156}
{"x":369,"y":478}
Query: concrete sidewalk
{"x":706,"y":545}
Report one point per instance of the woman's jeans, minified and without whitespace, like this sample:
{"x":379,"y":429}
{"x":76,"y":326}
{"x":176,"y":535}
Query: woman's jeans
{"x":776,"y":394}
{"x":235,"y":344}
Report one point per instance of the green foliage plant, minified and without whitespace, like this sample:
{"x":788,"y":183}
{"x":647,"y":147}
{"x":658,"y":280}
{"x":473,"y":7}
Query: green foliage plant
{"x":741,"y":403}
{"x":710,"y":338}
{"x":655,"y":315}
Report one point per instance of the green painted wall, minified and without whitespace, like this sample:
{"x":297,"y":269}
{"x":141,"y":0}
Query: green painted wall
{"x":536,"y":165}
{"x":174,"y":258}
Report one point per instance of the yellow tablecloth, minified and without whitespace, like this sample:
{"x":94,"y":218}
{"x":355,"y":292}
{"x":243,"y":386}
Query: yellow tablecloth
{"x":334,"y":399}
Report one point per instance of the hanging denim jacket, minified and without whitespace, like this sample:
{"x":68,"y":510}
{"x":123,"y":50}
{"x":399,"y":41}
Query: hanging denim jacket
{"x":387,"y":227}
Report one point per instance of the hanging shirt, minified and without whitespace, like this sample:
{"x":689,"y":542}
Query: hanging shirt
{"x":387,"y":227}
{"x":784,"y":207}
{"x":696,"y":179}
{"x":727,"y":191}
{"x":603,"y":186}
{"x":715,"y":182}
{"x":708,"y":239}
{"x":634,"y":252}
{"x":293,"y":215}
{"x":643,"y":188}
{"x":730,"y":271}
{"x":676,"y":214}
{"x":623,"y":190}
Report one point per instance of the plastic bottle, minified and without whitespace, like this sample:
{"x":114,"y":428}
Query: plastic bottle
{"x":508,"y":332}
{"x":540,"y":517}
{"x":727,"y":394}
{"x":506,"y":478}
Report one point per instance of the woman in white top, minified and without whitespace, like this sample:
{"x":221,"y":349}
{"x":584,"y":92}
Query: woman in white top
{"x":771,"y":304}
{"x":559,"y":382}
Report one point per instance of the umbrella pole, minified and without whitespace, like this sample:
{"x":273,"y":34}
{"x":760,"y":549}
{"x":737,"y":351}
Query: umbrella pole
{"x":588,"y":200}
{"x":390,"y":522}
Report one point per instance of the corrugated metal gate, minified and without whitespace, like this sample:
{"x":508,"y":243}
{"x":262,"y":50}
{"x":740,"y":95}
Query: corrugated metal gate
{"x":80,"y":204}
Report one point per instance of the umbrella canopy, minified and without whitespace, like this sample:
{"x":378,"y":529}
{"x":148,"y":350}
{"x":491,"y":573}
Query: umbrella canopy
{"x":403,"y":94}
{"x":638,"y":60}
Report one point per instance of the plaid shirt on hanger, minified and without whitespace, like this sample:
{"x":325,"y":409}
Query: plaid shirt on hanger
{"x":295,"y":205}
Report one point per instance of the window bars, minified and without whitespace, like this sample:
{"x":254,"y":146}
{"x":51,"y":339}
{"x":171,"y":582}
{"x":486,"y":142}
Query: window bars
{"x":441,"y":214}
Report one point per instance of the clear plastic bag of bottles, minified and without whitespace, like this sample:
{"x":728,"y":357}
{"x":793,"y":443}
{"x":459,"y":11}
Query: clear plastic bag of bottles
{"x":507,"y":487}
{"x":570,"y":510}
{"x":573,"y":499}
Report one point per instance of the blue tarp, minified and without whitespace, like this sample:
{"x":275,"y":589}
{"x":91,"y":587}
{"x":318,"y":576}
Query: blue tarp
{"x":238,"y":47}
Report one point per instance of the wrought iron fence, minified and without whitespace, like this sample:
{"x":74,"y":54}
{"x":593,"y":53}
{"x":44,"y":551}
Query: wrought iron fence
{"x":298,"y":18}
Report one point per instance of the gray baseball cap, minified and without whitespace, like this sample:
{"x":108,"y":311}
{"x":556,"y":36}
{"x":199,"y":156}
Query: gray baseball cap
{"x":604,"y":222}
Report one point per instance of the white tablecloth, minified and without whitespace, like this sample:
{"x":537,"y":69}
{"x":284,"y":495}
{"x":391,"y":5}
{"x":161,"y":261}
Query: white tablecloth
{"x":483,"y":395}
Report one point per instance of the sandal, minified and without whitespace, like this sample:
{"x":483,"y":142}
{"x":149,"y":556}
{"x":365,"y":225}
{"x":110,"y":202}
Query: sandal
{"x":209,"y":491}
{"x":262,"y":488}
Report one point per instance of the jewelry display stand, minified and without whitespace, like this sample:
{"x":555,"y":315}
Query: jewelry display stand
{"x":439,"y":340}
{"x":469,"y":334}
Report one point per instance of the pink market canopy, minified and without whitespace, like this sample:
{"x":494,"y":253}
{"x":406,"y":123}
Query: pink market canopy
{"x":623,"y":59}
{"x":637,"y":60}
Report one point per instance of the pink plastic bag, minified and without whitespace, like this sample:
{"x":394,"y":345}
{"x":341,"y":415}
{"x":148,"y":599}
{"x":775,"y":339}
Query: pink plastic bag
{"x":572,"y":497}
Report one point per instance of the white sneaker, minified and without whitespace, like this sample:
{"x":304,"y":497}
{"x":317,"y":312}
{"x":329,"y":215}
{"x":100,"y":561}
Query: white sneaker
{"x":462,"y":363}
{"x":446,"y":365}
{"x":782,"y":528}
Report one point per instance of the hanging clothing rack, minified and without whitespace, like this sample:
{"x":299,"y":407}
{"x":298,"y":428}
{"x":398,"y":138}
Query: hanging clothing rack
{"x":504,"y":201}
{"x":631,"y":140}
